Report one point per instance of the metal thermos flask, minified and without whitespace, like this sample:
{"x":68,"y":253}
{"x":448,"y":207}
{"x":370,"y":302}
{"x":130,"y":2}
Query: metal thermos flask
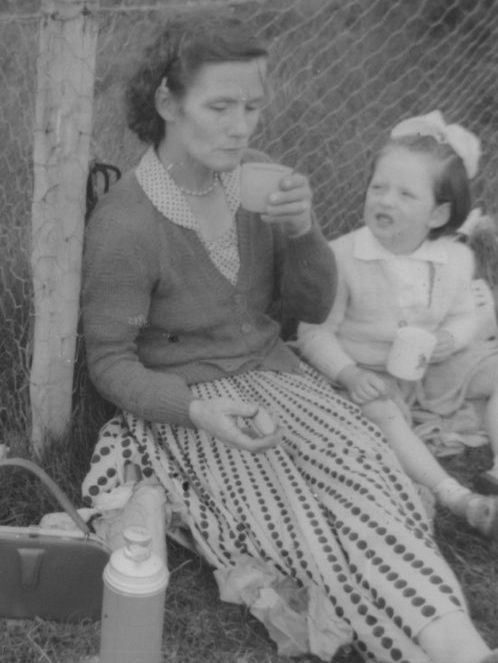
{"x":135,"y":581}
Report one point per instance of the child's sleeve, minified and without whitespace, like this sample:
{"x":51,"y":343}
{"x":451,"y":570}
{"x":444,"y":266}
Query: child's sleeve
{"x":462,"y":320}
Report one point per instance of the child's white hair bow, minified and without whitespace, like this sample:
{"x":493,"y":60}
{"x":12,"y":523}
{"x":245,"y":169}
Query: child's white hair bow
{"x":466,"y":144}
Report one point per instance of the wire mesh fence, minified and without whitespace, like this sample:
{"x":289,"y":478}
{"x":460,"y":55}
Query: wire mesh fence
{"x":18,"y":38}
{"x":343,"y":71}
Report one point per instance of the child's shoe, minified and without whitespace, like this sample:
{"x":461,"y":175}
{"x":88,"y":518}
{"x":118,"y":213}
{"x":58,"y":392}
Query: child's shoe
{"x":480,"y":512}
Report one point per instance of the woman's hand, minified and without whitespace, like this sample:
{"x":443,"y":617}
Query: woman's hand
{"x":220,"y":418}
{"x":363,"y":386}
{"x":445,"y":346}
{"x":291,"y":205}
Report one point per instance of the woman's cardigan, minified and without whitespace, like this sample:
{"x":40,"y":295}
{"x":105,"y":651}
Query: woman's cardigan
{"x":159,"y":316}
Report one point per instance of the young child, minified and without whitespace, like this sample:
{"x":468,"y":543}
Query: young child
{"x":405,"y":267}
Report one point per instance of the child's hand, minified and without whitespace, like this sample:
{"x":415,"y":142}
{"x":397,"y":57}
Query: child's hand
{"x":445,"y":346}
{"x":363,"y":386}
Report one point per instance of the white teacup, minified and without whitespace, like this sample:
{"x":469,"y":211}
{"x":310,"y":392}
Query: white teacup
{"x":257,"y":181}
{"x":410,"y":353}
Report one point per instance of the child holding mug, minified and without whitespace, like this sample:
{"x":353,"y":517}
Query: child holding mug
{"x":404,"y":267}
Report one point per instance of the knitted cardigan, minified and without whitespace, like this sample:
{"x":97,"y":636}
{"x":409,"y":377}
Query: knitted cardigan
{"x":158,"y":315}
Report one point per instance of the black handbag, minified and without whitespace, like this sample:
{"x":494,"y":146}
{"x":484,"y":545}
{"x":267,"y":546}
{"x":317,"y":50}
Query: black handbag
{"x":51,"y":573}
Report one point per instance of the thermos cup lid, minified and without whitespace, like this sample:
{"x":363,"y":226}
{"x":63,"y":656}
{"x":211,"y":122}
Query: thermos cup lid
{"x":135,"y":569}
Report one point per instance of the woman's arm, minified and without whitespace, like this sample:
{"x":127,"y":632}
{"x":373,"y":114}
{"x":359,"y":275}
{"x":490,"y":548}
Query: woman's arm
{"x":308,"y":277}
{"x":319,"y":344}
{"x":120,"y":267}
{"x":305,"y":267}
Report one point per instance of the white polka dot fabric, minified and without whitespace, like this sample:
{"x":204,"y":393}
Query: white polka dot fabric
{"x":328,"y":509}
{"x":167,"y":198}
{"x":224,"y":252}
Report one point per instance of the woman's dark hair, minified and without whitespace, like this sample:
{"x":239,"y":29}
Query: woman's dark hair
{"x":451,"y":183}
{"x":183,"y":45}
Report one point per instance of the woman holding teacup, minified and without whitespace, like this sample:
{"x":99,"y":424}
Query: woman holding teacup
{"x":183,"y":292}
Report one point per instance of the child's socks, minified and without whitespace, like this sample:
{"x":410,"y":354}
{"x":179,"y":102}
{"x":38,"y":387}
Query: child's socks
{"x":479,"y":511}
{"x":450,"y":493}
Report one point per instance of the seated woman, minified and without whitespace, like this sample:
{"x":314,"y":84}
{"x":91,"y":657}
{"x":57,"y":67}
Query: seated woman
{"x":182,"y":292}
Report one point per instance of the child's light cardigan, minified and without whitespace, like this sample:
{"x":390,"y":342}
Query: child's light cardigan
{"x":369,"y":306}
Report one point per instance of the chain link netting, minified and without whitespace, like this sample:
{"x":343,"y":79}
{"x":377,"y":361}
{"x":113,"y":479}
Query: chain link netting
{"x":18,"y":39}
{"x":344,"y":71}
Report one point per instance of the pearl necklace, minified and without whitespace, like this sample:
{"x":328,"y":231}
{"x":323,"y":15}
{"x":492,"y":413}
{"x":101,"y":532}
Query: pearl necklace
{"x":198,"y":192}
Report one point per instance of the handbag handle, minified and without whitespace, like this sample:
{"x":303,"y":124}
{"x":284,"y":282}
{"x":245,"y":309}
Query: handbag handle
{"x":53,"y":488}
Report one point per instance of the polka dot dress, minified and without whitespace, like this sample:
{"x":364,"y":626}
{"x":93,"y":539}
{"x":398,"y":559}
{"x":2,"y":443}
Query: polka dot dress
{"x":330,"y":507}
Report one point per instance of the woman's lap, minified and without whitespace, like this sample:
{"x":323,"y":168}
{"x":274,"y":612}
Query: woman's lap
{"x":371,"y":505}
{"x":330,"y":508}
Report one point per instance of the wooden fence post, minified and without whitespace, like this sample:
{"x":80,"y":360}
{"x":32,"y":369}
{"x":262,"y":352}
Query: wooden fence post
{"x":63,"y":121}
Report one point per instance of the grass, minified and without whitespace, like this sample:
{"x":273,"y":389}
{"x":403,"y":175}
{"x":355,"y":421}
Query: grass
{"x":193,"y":632}
{"x":197,"y":625}
{"x":474,"y":559}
